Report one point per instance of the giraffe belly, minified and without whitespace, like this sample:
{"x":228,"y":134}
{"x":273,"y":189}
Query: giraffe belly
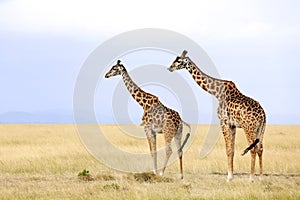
{"x":157,"y":129}
{"x":235,"y":123}
{"x":228,"y":115}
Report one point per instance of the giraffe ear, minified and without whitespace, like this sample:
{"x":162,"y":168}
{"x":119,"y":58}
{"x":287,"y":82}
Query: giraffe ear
{"x":184,"y":53}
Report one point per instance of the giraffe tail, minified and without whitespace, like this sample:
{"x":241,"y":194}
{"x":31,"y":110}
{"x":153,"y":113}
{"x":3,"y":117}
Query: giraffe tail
{"x":260,"y":130}
{"x":251,"y":146}
{"x":186,"y":137}
{"x":186,"y":124}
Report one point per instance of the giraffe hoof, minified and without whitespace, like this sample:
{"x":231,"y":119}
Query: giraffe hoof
{"x":228,"y":180}
{"x":251,"y":179}
{"x":229,"y":177}
{"x":161,"y":174}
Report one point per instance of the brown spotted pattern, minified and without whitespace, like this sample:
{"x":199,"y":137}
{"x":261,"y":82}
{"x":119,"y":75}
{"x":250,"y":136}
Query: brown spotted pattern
{"x":146,"y":100}
{"x":156,"y":119}
{"x":235,"y":110}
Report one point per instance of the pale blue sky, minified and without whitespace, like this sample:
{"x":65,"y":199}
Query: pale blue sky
{"x":43,"y":45}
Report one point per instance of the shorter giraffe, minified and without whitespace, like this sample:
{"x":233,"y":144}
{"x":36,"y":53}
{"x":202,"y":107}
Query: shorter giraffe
{"x":235,"y":110}
{"x":156,"y":119}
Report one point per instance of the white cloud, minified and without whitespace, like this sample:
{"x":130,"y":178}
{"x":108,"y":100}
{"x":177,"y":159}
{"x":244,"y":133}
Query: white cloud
{"x":210,"y":19}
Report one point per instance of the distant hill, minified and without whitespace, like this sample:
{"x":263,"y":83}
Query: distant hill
{"x":66,"y":117}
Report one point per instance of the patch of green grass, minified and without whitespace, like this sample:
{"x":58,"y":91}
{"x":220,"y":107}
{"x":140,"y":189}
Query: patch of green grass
{"x":85,"y":175}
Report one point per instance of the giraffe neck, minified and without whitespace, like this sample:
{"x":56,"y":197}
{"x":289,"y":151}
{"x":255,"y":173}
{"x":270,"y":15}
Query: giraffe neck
{"x":136,"y":92}
{"x":209,"y":84}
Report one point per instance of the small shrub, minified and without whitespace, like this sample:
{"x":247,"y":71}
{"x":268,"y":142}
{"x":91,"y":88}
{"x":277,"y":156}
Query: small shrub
{"x":149,"y":177}
{"x":85,"y":175}
{"x":84,"y":172}
{"x":112,"y":186}
{"x":105,"y":177}
{"x":187,"y":187}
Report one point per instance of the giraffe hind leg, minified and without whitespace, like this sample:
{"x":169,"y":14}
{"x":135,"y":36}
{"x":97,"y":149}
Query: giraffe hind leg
{"x":151,"y":137}
{"x":254,"y":137}
{"x":252,"y":141}
{"x":259,"y":153}
{"x":168,"y":154}
{"x":177,"y":139}
{"x":253,"y":158}
{"x":229,"y":136}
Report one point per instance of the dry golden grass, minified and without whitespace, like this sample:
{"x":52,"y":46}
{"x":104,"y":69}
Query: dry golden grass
{"x":42,"y":162}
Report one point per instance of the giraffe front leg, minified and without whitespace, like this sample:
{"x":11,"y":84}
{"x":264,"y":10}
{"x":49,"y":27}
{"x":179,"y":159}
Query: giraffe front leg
{"x":151,"y":136}
{"x":229,"y":137}
{"x":152,"y":144}
{"x":232,"y":130}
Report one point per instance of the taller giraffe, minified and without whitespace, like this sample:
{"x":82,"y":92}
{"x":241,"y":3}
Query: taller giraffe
{"x":235,"y":111}
{"x":157,"y":118}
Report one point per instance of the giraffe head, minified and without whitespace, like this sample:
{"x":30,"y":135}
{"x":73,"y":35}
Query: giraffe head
{"x":117,"y":69}
{"x":181,"y":62}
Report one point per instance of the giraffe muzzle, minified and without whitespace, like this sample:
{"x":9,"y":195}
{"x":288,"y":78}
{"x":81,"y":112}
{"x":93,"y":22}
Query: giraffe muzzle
{"x":170,"y":69}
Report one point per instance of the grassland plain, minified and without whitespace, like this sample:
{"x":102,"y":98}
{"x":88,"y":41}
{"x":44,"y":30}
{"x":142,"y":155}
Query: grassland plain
{"x":42,"y":162}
